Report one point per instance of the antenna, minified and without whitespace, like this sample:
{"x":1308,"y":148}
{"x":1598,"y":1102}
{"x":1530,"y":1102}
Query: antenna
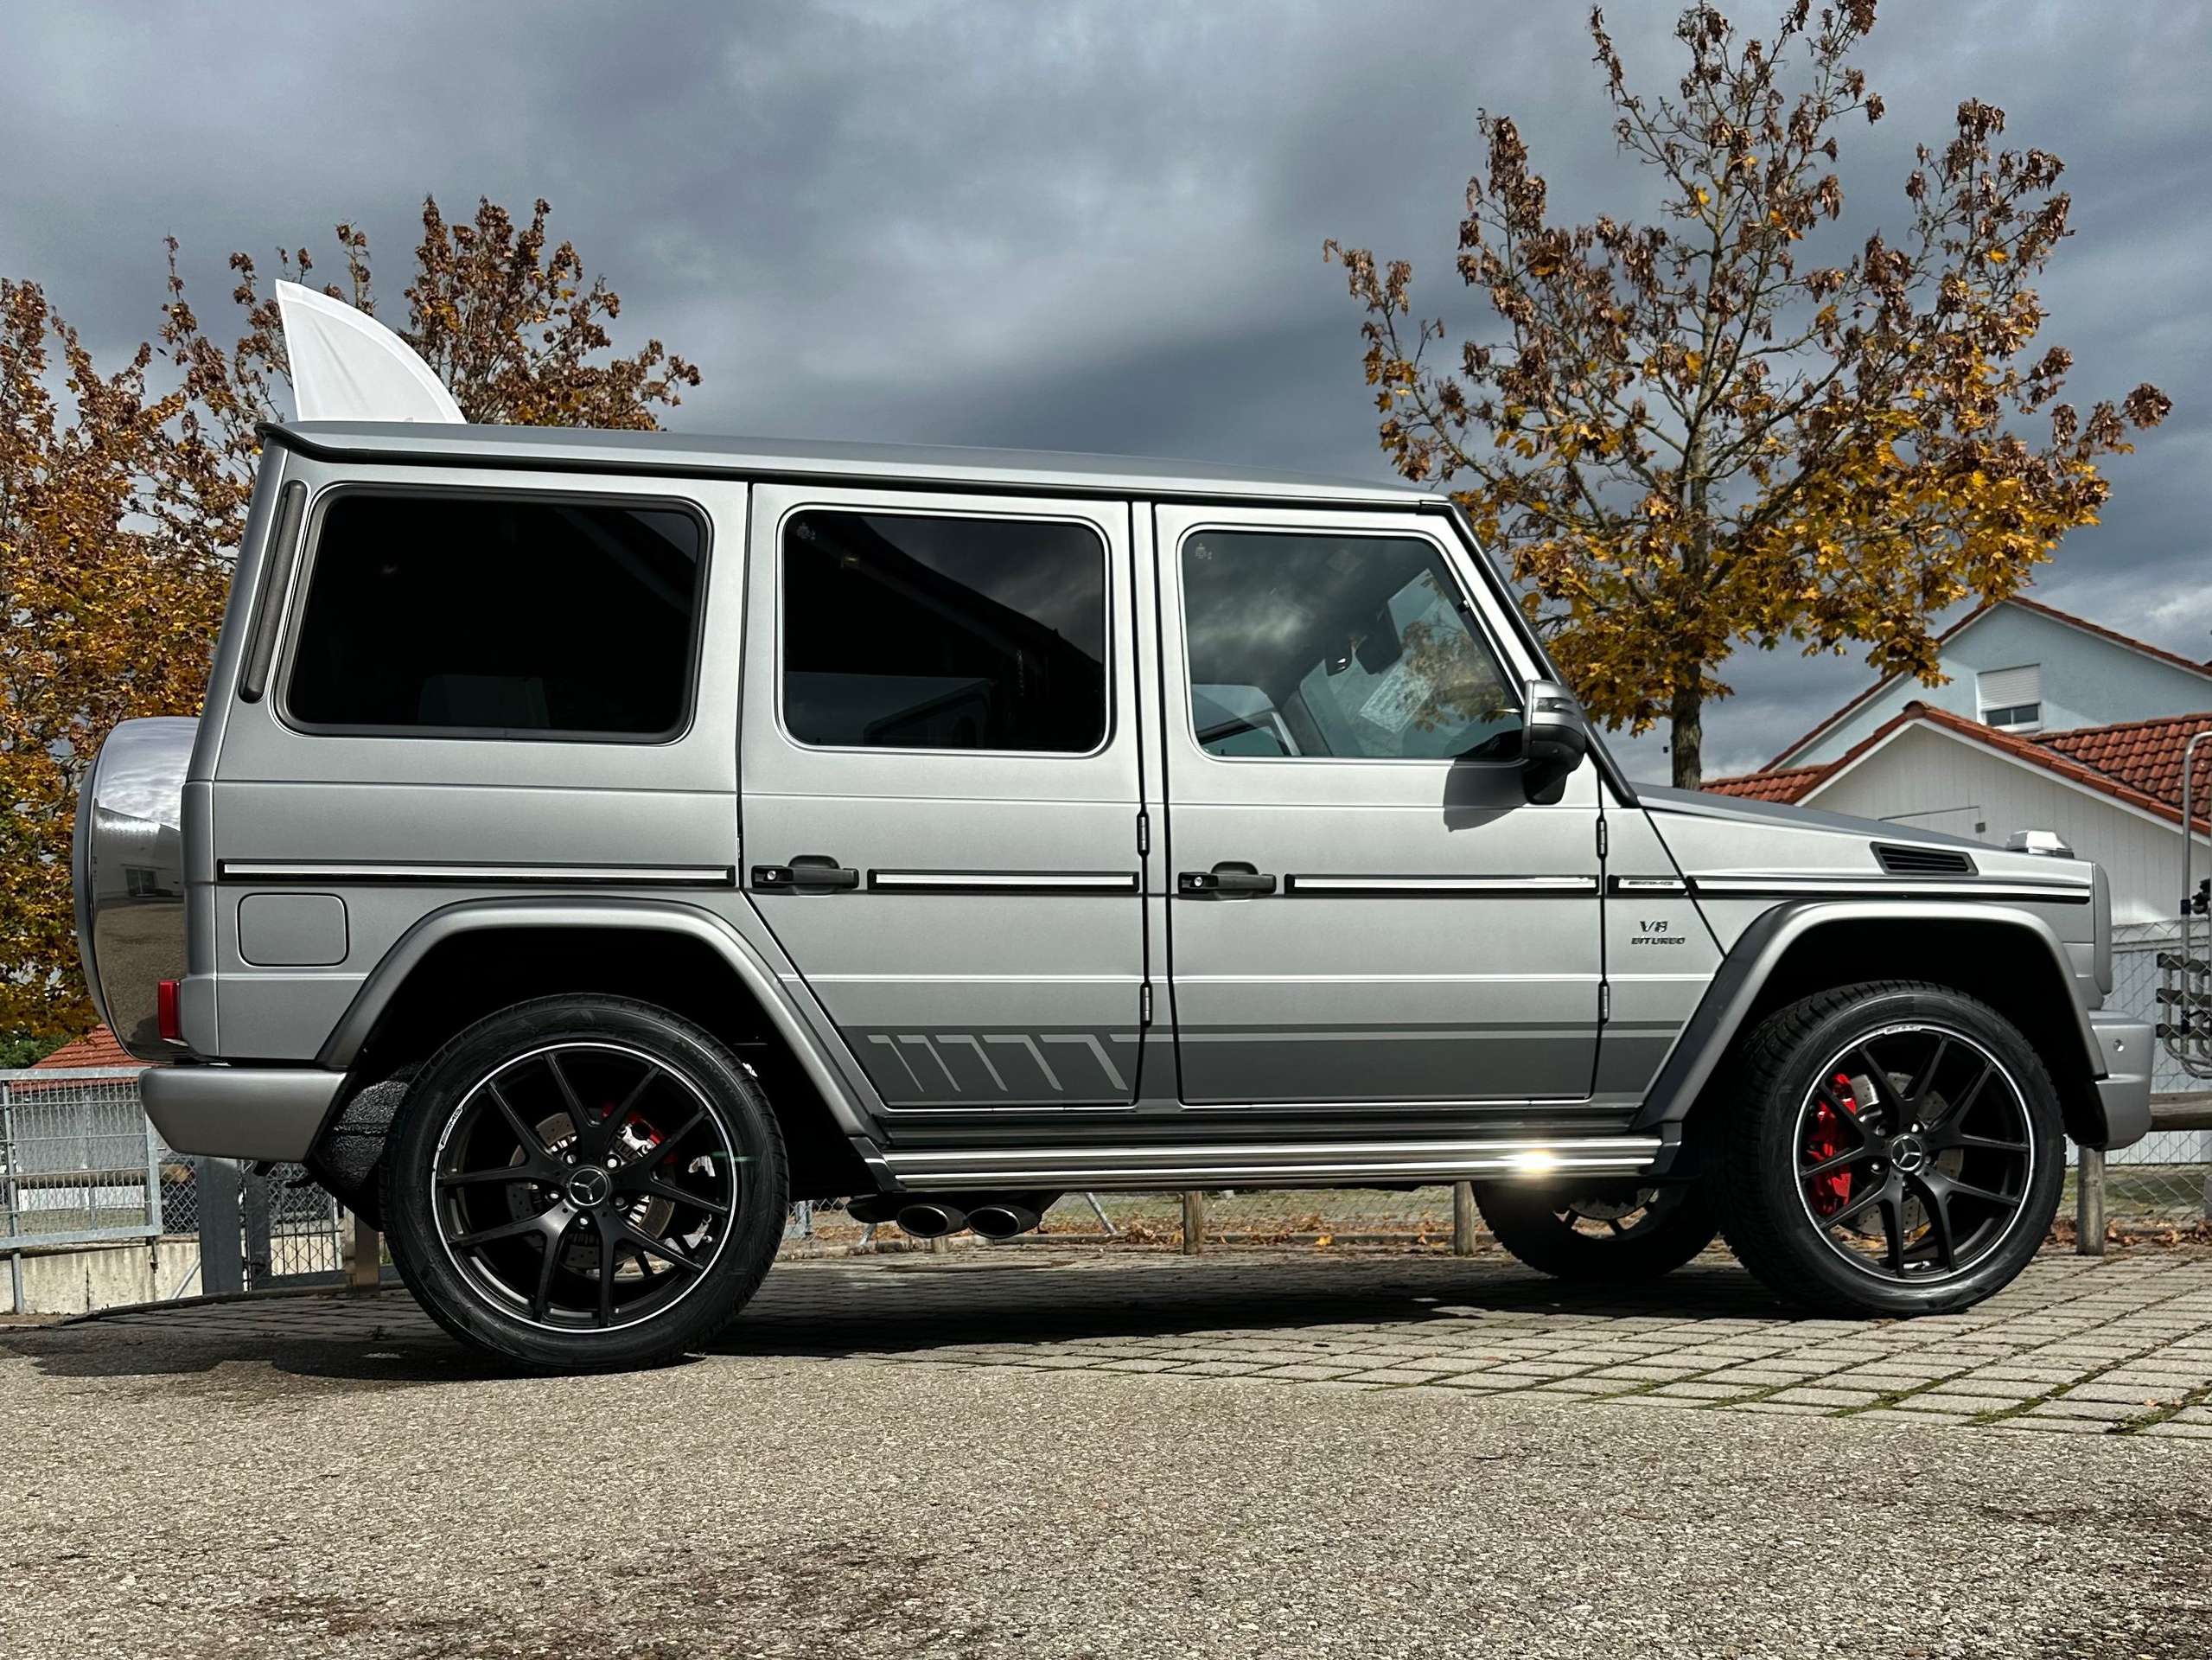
{"x":349,"y":366}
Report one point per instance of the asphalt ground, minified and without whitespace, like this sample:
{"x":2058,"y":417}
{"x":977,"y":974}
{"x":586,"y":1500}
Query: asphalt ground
{"x":1036,"y":1452}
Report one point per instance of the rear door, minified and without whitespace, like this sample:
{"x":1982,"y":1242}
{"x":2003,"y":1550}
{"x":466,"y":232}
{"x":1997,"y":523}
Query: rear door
{"x":1366,"y":908}
{"x":941,"y":780}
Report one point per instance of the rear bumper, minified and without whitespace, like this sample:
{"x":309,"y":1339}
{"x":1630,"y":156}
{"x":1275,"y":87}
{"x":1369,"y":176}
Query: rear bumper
{"x":2125,"y":1050}
{"x":237,"y":1112}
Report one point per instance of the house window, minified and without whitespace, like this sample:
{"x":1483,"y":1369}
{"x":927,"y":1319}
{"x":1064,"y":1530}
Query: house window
{"x":2011,"y":699}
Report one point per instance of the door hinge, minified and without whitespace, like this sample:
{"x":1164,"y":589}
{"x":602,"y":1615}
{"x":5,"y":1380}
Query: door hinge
{"x":1144,"y":1004}
{"x":1601,"y":836}
{"x":1604,"y":1002}
{"x":1144,"y":834}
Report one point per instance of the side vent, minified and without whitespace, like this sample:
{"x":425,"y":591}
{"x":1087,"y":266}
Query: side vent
{"x":1923,"y":861}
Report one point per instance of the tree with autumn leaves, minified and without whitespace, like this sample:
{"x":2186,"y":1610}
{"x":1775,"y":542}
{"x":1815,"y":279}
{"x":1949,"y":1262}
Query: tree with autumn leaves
{"x":123,"y":494}
{"x":1724,"y":427}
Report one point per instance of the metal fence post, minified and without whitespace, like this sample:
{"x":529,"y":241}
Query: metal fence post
{"x":362,"y":1252}
{"x":1462,"y":1218}
{"x":1194,"y":1222}
{"x":222,"y":1267}
{"x":10,"y":1193}
{"x":2090,"y":1202}
{"x":253,"y":1191}
{"x":154,"y":1186}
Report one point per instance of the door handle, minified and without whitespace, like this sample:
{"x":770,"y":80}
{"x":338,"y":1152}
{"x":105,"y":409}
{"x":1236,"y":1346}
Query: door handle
{"x":1229,"y":879}
{"x":807,"y":873}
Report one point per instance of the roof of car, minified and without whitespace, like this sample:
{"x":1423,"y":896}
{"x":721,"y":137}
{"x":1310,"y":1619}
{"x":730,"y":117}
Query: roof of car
{"x":1042,"y":471}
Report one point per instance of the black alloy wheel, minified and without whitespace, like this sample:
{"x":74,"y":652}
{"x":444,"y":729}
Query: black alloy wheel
{"x":1914,"y":1152}
{"x":585,"y":1182}
{"x":1887,"y":1148}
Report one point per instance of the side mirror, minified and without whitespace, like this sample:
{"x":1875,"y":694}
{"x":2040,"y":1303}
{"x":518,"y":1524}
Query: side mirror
{"x":1554,"y":740}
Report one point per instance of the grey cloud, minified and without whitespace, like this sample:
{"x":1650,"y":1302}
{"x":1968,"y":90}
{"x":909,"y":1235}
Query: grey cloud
{"x":1064,"y":226}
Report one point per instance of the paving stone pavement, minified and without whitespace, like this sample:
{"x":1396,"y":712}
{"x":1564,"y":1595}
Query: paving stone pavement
{"x":2116,"y":1345}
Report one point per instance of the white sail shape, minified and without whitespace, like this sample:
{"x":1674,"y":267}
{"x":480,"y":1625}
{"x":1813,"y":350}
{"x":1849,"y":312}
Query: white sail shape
{"x":349,"y":366}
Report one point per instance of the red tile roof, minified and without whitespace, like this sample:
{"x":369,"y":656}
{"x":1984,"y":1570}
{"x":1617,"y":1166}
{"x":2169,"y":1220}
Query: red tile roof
{"x":2137,"y":762}
{"x":1966,"y":621}
{"x":98,"y":1047}
{"x":2144,"y":755}
{"x":1773,"y":784}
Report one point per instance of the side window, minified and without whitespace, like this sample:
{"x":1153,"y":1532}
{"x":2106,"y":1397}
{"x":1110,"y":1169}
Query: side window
{"x":908,"y":631}
{"x":512,"y":616}
{"x":1355,"y":646}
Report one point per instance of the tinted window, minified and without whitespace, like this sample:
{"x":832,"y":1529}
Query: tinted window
{"x":901,"y":631}
{"x":483,"y":613}
{"x":1337,"y":645}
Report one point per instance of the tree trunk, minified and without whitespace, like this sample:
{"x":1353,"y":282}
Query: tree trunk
{"x":1686,"y":712}
{"x":1687,"y":720}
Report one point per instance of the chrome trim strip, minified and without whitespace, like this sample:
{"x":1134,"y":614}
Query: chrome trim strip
{"x":1487,"y":884}
{"x":1003,"y":881}
{"x":1843,"y":884}
{"x":1292,"y":1164}
{"x":689,"y":876}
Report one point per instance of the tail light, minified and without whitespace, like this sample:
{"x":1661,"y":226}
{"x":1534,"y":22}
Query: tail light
{"x":165,"y":1012}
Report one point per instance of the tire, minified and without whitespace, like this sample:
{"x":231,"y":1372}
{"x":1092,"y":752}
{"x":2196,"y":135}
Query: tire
{"x":1891,"y":1148}
{"x":585,"y":1184}
{"x":1618,"y":1235}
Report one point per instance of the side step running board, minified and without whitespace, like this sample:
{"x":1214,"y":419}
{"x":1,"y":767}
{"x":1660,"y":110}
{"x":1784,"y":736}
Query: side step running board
{"x":1303,"y":1163}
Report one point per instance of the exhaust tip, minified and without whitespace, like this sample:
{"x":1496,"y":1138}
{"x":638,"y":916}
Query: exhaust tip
{"x":932,"y":1221}
{"x":1002,"y":1221}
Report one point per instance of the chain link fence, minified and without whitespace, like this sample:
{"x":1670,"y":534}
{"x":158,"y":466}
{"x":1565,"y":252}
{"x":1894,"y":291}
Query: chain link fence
{"x":2165,"y":1179}
{"x":84,"y":1174}
{"x":80,"y":1161}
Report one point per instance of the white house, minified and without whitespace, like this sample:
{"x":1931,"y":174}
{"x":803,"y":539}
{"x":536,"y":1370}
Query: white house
{"x":2047,"y":723}
{"x":2022,"y":667}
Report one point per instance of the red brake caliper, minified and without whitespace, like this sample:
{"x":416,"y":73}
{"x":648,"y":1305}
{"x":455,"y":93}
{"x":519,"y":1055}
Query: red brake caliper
{"x":1830,"y":1193}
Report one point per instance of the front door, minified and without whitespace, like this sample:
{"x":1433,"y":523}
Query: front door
{"x":1366,"y":908}
{"x":941,"y":765}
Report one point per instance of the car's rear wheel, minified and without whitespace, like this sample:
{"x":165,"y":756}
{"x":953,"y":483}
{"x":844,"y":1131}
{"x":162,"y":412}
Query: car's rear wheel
{"x":1617,"y":1232}
{"x":1890,"y":1148}
{"x":585,"y":1184}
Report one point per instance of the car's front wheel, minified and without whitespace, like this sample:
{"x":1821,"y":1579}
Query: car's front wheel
{"x":585,"y":1184}
{"x":1889,"y":1148}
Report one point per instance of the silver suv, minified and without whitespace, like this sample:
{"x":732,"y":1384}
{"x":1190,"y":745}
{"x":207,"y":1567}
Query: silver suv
{"x":594,"y":841}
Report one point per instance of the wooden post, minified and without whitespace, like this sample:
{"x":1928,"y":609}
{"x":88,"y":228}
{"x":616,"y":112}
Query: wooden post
{"x":363,"y":1249}
{"x":1462,"y":1218}
{"x":2090,"y":1202}
{"x":1194,"y":1222}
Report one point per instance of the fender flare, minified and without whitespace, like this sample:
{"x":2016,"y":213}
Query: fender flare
{"x":1743,"y":972}
{"x":347,"y":1038}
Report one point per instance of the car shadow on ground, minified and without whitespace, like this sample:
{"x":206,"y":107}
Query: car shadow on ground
{"x":903,"y":1306}
{"x":907,"y":1307}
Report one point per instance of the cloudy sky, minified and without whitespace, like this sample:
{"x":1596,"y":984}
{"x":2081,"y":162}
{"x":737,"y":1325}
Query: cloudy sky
{"x":1064,"y":226}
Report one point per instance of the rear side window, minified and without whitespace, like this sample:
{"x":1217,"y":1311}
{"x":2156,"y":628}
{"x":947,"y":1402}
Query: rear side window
{"x":508,"y":615}
{"x":916,"y":632}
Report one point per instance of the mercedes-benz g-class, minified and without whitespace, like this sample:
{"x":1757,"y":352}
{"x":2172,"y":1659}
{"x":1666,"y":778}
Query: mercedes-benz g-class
{"x":594,"y":841}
